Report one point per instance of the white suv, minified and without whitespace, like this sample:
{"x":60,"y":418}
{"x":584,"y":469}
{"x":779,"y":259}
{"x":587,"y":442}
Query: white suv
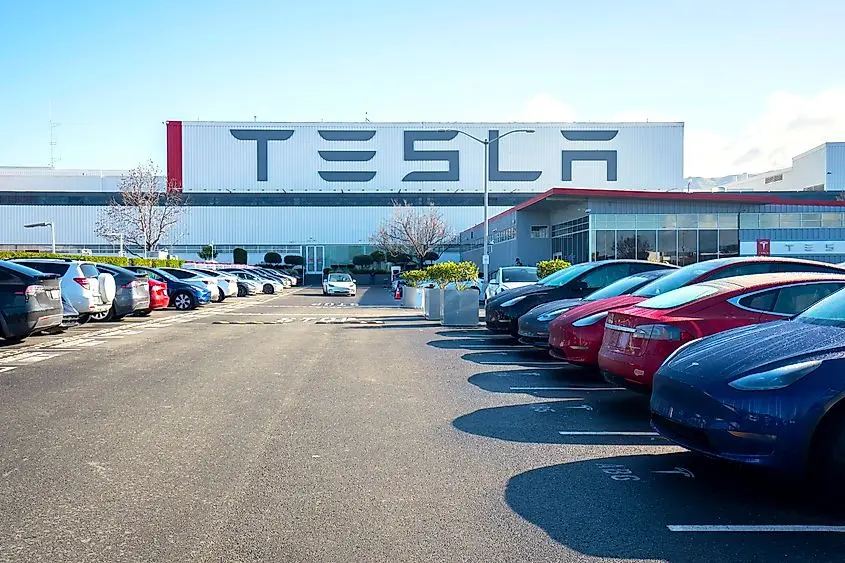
{"x":87,"y":289}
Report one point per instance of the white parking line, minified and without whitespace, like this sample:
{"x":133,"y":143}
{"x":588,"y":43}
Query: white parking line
{"x":761,"y":528}
{"x":4,"y":369}
{"x":567,"y":388}
{"x":577,"y":433}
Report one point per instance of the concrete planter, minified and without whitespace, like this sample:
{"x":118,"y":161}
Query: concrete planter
{"x":459,"y":307}
{"x":433,"y":298}
{"x":412,"y":297}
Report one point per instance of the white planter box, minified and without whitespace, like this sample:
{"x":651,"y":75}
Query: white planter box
{"x":411,"y":298}
{"x":459,"y":308}
{"x":433,"y":298}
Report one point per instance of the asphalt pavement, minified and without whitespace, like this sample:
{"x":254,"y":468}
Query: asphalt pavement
{"x":307,"y":428}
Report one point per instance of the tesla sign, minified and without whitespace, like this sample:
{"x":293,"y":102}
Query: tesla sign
{"x":764,"y":247}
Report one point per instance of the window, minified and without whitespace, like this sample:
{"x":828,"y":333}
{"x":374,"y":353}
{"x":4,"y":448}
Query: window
{"x":806,"y":267}
{"x":668,"y":222}
{"x":790,"y":220}
{"x":340,"y":278}
{"x":829,"y":312}
{"x":623,"y":286}
{"x":7,"y":278}
{"x":811,"y":220}
{"x":831,"y":220}
{"x":795,"y":299}
{"x":742,"y":270}
{"x":728,"y":244}
{"x":687,"y":247}
{"x":687,"y":221}
{"x":626,"y":221}
{"x":181,"y":274}
{"x":749,"y":221}
{"x":769,"y":221}
{"x":708,"y":245}
{"x":679,"y":297}
{"x":605,"y":244}
{"x":539,"y":231}
{"x":667,"y":245}
{"x":728,"y":221}
{"x":676,"y":279}
{"x":527,"y":274}
{"x":646,"y":244}
{"x":605,"y":275}
{"x":562,"y":277}
{"x":50,"y":267}
{"x":626,"y":244}
{"x":89,"y":270}
{"x":647,"y":221}
{"x":763,"y":301}
{"x":707,"y":221}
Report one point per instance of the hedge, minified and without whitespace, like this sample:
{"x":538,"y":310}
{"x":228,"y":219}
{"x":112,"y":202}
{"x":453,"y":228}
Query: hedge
{"x":114,"y":260}
{"x":549,"y":267}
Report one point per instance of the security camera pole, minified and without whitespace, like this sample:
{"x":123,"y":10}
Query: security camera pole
{"x":52,"y":231}
{"x":485,"y":259}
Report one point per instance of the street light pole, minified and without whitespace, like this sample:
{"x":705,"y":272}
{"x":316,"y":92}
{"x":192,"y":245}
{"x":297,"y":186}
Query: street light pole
{"x":52,"y":226}
{"x":485,"y":259}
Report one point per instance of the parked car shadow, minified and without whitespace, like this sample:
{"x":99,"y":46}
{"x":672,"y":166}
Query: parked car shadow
{"x":539,"y":382}
{"x":582,"y":417}
{"x":479,"y":332}
{"x":473,"y":344}
{"x":376,"y":296}
{"x":621,"y":508}
{"x":518,"y":356}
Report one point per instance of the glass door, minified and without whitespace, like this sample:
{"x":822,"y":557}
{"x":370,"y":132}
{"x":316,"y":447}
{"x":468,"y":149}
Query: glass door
{"x":314,"y":259}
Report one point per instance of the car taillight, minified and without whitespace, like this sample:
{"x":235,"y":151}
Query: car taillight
{"x":83,"y":282}
{"x":31,"y":291}
{"x":661,"y":332}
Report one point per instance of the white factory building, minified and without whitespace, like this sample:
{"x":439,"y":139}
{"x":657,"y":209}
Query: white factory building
{"x":817,"y":170}
{"x":322,"y":189}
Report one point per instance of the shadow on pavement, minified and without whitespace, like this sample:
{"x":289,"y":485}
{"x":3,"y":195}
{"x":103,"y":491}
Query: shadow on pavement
{"x":612,"y":418}
{"x":539,"y":382}
{"x":517,"y":356}
{"x":620,"y":508}
{"x":474,"y":332}
{"x":476,"y":344}
{"x":376,"y":296}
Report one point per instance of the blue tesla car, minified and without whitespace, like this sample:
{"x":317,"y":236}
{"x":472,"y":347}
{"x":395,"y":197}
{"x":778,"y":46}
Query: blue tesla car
{"x":771,"y":395}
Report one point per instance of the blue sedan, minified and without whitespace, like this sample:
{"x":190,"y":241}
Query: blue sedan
{"x":771,"y":395}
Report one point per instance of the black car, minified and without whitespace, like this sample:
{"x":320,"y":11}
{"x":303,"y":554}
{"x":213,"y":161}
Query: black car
{"x":503,"y":311}
{"x":30,"y":301}
{"x":534,"y":325}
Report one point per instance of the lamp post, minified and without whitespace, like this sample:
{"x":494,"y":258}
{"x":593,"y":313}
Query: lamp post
{"x":485,"y":259}
{"x":52,"y":231}
{"x":120,"y":253}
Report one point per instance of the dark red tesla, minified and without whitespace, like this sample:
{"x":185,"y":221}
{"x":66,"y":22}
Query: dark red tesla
{"x":576,"y":336}
{"x":638,"y":339}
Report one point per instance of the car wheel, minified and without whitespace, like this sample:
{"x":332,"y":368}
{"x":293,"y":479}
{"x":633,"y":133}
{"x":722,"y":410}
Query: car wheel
{"x":827,"y":457}
{"x":268,"y":289}
{"x":83,"y":318}
{"x":241,"y":291}
{"x":15,"y":338}
{"x":222,"y":297}
{"x":104,"y":316}
{"x":184,"y":301}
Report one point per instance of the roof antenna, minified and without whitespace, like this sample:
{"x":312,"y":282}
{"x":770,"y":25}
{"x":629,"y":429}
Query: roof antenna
{"x":53,"y":125}
{"x":367,"y":119}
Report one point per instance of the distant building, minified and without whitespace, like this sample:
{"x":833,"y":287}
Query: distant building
{"x":817,"y":170}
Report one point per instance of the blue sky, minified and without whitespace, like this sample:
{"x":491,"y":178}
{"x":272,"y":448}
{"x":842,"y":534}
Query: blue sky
{"x":755,"y":82}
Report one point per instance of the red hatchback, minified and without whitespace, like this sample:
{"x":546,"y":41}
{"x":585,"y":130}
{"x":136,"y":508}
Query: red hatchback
{"x":159,"y":298}
{"x":638,"y":339}
{"x":576,"y":336}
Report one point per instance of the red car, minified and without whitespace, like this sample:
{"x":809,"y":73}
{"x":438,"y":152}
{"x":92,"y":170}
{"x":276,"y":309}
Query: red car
{"x":576,"y":336}
{"x":638,"y":339}
{"x":159,"y":299}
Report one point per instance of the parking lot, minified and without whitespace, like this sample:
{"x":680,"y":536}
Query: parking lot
{"x":298,"y":427}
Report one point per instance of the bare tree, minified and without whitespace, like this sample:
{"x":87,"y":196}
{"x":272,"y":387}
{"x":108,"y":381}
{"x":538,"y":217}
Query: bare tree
{"x":415,"y":231}
{"x":146,"y":212}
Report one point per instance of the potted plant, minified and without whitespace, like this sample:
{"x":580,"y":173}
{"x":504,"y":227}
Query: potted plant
{"x":439,"y":276}
{"x":459,"y":302}
{"x":411,"y":294}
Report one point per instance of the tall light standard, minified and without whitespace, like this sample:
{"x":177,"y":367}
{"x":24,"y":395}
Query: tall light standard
{"x":52,"y":231}
{"x":121,"y":241}
{"x":485,"y":259}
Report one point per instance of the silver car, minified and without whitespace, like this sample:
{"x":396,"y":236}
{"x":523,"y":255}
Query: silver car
{"x":88,"y":290}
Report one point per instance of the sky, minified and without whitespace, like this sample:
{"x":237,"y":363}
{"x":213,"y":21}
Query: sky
{"x":755,"y":82}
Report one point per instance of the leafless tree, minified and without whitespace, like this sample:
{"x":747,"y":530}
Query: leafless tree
{"x":147,"y":211}
{"x":412,"y":231}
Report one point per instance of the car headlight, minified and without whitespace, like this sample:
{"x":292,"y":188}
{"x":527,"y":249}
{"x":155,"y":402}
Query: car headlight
{"x":777,"y":378}
{"x":551,"y":315}
{"x":591,"y":320}
{"x":514,"y":301}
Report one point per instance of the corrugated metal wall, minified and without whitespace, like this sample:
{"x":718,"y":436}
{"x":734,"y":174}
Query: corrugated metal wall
{"x":225,"y":225}
{"x":836,"y":166}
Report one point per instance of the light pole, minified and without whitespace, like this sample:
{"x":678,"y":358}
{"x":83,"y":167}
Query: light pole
{"x":52,"y":231}
{"x":485,"y":259}
{"x":121,"y":241}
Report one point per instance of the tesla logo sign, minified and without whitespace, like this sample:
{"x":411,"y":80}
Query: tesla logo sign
{"x":414,"y":150}
{"x":764,"y":247}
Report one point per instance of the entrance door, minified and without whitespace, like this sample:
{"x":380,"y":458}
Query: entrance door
{"x":314,"y":259}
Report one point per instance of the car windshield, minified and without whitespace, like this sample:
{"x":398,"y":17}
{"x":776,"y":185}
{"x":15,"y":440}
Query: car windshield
{"x":676,"y":279}
{"x":619,"y":287}
{"x":59,"y":268}
{"x":562,"y":277}
{"x":679,"y":297}
{"x":340,"y":278}
{"x":21,"y":269}
{"x":519,"y":275}
{"x":829,"y":311}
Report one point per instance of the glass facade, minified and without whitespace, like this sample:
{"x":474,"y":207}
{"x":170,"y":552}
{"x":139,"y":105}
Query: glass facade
{"x":571,"y":240}
{"x":679,"y":239}
{"x":791,"y":220}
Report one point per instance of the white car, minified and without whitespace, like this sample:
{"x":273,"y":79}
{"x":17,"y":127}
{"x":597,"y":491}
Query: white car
{"x":227,"y":282}
{"x":510,"y":277}
{"x":339,"y":284}
{"x":87,"y":289}
{"x":198,"y":280}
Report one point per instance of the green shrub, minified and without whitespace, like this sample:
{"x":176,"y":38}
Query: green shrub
{"x":294,"y":260}
{"x":113,"y":260}
{"x":461,"y":274}
{"x":378,"y":256}
{"x":240,"y":256}
{"x":413,"y":277}
{"x":363,"y":260}
{"x":549,"y":267}
{"x":273,"y":258}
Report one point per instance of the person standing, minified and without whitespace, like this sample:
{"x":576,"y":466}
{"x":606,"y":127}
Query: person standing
{"x":518,"y":262}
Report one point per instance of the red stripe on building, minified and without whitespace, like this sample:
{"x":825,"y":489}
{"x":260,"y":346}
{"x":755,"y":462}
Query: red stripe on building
{"x":174,"y":155}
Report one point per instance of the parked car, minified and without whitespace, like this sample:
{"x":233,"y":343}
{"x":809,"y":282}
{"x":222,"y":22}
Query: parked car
{"x":639,"y":338}
{"x":87,"y":289}
{"x":70,"y":316}
{"x":534,"y":325}
{"x":183,"y":295}
{"x":510,"y":277}
{"x":339,"y":284}
{"x":248,"y":287}
{"x":503,"y":311}
{"x":269,"y":273}
{"x":30,"y":300}
{"x":197,"y":279}
{"x":576,"y":336}
{"x":226,"y":282}
{"x":268,"y":286}
{"x":132,"y":293}
{"x":159,"y":298}
{"x":769,"y":395}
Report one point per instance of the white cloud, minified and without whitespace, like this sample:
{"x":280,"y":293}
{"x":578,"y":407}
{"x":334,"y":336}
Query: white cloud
{"x":788,"y":125}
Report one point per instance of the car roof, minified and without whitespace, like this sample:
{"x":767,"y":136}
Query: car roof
{"x":750,"y":259}
{"x":756,"y":281}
